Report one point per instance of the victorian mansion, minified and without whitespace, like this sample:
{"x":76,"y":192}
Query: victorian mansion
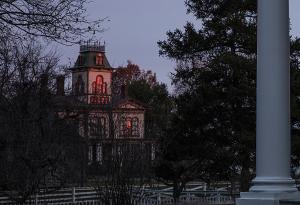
{"x":108,"y":120}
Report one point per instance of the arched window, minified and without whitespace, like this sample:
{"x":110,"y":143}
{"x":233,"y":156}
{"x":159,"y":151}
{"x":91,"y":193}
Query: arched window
{"x":94,"y":87}
{"x":98,"y":86}
{"x":79,"y":86}
{"x":104,"y":89}
{"x":128,"y":123}
{"x":99,"y":79}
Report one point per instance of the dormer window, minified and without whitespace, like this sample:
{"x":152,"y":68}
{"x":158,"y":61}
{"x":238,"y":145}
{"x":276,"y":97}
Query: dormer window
{"x":99,"y":59}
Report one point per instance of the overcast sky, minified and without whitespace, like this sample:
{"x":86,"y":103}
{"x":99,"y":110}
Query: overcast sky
{"x":135,"y":26}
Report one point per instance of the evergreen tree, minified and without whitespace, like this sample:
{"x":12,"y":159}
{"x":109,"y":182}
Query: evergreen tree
{"x":295,"y":103}
{"x":216,"y":82}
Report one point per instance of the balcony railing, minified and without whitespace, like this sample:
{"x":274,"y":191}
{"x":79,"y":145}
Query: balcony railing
{"x":95,"y":47}
{"x":97,"y":99}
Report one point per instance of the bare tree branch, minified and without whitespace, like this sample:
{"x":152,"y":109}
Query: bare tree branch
{"x":64,"y":21}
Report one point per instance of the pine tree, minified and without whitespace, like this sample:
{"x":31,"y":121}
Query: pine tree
{"x":216,"y":83}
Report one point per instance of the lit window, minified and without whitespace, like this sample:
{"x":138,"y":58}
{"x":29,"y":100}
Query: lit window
{"x":98,"y":86}
{"x":129,"y":127}
{"x":128,"y":123}
{"x":99,"y":89}
{"x":104,"y":88}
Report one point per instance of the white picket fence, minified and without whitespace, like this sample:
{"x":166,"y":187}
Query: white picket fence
{"x":88,"y":196}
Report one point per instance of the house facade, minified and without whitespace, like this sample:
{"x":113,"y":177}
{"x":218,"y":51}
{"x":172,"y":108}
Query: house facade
{"x":110,"y":122}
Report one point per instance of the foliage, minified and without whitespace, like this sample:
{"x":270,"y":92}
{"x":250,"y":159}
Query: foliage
{"x":131,"y":73}
{"x":143,"y":86}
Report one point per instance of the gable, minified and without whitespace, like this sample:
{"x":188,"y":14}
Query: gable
{"x":130,"y":105}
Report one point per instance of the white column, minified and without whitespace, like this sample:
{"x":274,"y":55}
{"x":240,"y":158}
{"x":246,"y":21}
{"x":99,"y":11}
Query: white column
{"x":273,"y":184}
{"x":273,"y":98}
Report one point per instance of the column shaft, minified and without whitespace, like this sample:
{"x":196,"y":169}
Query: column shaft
{"x":273,"y":98}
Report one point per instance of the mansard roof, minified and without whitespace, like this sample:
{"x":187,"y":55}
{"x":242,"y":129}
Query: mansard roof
{"x":88,"y":54}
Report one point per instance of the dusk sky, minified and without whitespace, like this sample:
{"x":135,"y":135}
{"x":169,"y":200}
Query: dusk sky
{"x":135,"y":26}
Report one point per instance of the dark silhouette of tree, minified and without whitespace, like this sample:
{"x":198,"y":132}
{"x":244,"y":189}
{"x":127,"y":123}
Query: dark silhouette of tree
{"x":125,"y":173}
{"x":39,"y":142}
{"x":215,"y":82}
{"x":295,"y":103}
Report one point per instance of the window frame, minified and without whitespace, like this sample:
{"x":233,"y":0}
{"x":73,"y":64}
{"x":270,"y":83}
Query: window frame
{"x":97,"y":127}
{"x":99,"y":60}
{"x":131,"y":130}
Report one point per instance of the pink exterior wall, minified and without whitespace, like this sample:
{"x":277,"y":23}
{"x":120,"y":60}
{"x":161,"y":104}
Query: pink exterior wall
{"x":107,"y":75}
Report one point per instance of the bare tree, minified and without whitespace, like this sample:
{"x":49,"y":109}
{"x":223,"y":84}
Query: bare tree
{"x":125,"y":165}
{"x":39,"y":147}
{"x":63,"y":21}
{"x":125,"y":172}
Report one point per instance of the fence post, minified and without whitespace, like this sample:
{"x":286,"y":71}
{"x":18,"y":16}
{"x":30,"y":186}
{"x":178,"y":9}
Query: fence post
{"x":73,"y":195}
{"x":219,"y":198}
{"x":36,"y":199}
{"x":159,"y":198}
{"x":188,"y":197}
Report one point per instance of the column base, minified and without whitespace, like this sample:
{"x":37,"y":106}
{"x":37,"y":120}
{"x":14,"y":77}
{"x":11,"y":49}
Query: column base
{"x":270,"y":191}
{"x":268,"y":198}
{"x":273,"y":184}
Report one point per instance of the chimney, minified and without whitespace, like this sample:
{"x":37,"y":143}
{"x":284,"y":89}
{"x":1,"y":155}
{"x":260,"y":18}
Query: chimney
{"x":60,"y":85}
{"x":44,"y":82}
{"x":124,"y":91}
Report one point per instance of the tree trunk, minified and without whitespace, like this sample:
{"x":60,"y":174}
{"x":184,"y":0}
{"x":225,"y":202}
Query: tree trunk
{"x":245,"y":179}
{"x":177,"y":189}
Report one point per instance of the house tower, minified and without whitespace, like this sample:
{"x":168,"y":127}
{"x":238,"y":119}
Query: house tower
{"x":92,"y":75}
